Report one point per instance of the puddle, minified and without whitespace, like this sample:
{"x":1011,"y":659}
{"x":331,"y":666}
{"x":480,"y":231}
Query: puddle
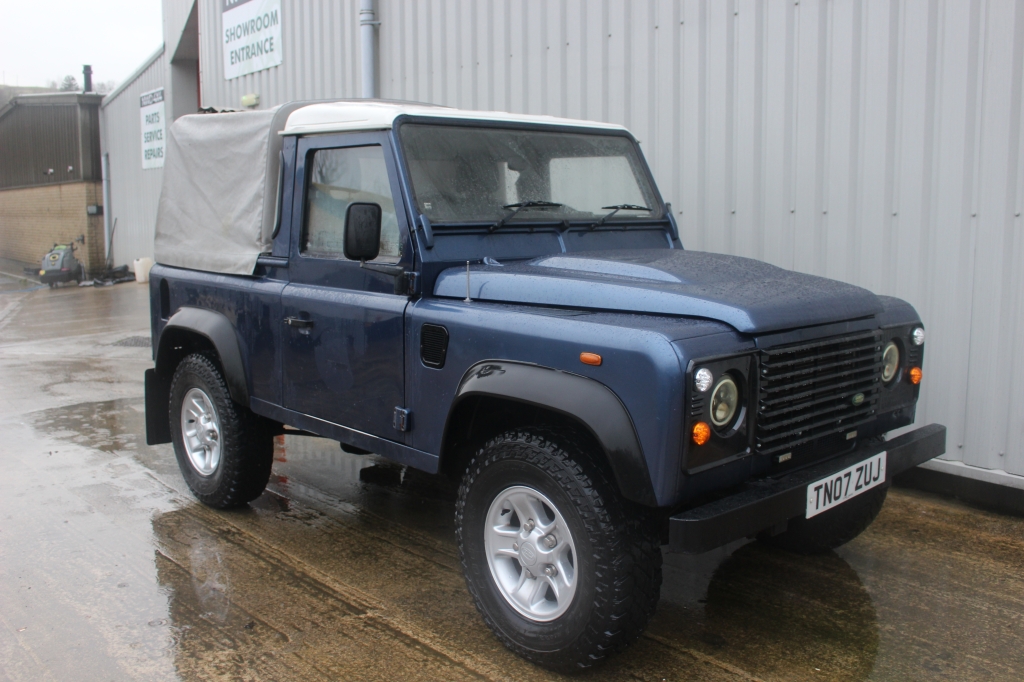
{"x":367,"y":522}
{"x":108,"y":425}
{"x":112,"y":427}
{"x":346,"y":567}
{"x":134,"y":342}
{"x":242,"y":610}
{"x":766,"y":610}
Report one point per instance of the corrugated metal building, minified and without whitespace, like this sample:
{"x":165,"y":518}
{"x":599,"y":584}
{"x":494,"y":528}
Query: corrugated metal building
{"x":133,"y":186}
{"x":51,"y":132}
{"x":50,"y":177}
{"x":873,"y":141}
{"x":131,"y":190}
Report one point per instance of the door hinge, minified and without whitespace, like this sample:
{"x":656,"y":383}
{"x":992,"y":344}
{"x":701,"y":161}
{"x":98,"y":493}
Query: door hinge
{"x":402,"y":419}
{"x":412,"y":283}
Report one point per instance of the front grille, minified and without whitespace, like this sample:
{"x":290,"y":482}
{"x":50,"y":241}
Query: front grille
{"x":807,"y":391}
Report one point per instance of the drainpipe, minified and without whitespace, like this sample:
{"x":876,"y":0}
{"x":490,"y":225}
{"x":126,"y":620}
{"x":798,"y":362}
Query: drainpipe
{"x":105,"y":166}
{"x":368,"y":29}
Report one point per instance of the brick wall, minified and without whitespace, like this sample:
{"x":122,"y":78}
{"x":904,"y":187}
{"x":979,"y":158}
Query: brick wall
{"x":32,"y":219}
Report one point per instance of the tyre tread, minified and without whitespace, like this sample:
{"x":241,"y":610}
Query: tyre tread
{"x":628,"y":564}
{"x":247,"y":445}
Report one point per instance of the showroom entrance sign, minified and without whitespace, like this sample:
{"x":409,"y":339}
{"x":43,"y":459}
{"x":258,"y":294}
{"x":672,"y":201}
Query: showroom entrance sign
{"x":251,"y":35}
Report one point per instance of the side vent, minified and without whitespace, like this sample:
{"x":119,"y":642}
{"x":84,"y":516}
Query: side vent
{"x":433,"y":345}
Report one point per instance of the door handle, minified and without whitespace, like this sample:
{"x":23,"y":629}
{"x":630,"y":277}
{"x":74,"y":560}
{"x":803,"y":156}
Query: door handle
{"x":298,"y":322}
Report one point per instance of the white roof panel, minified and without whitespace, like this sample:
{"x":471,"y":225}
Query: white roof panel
{"x":339,"y":117}
{"x":219,"y":196}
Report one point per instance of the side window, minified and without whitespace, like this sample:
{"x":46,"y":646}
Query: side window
{"x":340,"y":177}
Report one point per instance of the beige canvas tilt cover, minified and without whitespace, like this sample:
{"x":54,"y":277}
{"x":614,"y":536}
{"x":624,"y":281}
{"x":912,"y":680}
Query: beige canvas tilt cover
{"x":219,"y":198}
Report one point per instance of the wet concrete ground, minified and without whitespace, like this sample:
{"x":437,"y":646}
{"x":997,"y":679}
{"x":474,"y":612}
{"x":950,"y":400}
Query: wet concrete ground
{"x":346,"y":567}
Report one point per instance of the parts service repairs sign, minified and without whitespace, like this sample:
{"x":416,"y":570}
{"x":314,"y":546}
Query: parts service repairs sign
{"x":252,"y":36}
{"x":152,"y":108}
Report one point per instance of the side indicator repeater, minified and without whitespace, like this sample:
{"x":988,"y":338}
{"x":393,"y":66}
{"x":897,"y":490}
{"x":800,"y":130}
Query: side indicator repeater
{"x":701,"y":433}
{"x":916,"y":375}
{"x":590,"y":359}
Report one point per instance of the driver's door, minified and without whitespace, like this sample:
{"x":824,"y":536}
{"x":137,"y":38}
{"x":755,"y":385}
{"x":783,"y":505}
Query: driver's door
{"x":344,"y":326}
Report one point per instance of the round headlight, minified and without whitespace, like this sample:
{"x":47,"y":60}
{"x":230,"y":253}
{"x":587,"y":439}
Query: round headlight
{"x":917,"y":336}
{"x":724,"y":401}
{"x":702,"y":379}
{"x":890,"y":362}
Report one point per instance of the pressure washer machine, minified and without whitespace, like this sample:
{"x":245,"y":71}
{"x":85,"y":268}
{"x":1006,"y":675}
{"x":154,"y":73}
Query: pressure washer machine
{"x":61,"y":265}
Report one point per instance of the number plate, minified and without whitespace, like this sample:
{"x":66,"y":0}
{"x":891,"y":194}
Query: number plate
{"x":839,"y":487}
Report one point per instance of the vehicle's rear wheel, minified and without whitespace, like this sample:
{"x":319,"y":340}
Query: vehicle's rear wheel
{"x":224,"y":451}
{"x":831,"y":529}
{"x":564,"y":571}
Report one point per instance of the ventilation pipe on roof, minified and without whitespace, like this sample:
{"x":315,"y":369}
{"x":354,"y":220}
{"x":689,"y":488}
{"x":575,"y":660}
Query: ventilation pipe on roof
{"x":368,"y":28}
{"x":87,"y":72}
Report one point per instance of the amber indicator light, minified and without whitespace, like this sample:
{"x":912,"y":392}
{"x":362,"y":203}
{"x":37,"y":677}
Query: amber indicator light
{"x":590,"y":359}
{"x":916,"y":375}
{"x":701,"y":433}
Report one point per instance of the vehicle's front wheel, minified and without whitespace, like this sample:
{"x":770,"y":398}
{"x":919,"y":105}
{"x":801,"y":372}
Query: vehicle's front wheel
{"x":224,"y":451}
{"x":562,"y":569}
{"x":831,"y":529}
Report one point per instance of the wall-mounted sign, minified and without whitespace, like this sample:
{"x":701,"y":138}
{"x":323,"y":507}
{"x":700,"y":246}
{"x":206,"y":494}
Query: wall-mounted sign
{"x":252,"y":36}
{"x":152,"y":112}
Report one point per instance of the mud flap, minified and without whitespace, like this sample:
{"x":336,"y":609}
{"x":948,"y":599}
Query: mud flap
{"x":158,"y":396}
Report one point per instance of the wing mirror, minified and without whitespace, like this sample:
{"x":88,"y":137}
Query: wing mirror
{"x":362,"y":231}
{"x":362,"y":243}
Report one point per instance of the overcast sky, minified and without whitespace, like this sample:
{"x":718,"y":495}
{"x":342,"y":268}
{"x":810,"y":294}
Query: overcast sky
{"x":44,"y":40}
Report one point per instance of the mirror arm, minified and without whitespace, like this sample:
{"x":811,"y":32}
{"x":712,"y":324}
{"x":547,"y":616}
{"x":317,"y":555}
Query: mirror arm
{"x":405,"y":282}
{"x":393,"y":270}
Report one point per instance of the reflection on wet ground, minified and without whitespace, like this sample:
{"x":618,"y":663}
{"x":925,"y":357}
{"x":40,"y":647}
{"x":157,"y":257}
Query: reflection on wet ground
{"x":346,"y":568}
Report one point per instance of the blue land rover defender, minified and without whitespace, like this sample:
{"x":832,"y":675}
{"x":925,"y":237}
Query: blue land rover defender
{"x":505,"y":300}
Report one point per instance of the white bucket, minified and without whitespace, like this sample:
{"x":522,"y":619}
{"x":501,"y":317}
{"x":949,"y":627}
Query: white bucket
{"x":142,"y":268}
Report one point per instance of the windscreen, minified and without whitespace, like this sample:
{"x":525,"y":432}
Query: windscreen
{"x":462,"y":174}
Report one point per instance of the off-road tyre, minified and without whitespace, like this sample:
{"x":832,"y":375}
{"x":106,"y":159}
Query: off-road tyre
{"x":617,"y":549}
{"x":834,"y":528}
{"x":247,"y":442}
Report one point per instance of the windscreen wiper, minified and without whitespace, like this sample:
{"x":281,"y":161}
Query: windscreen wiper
{"x":615,"y":209}
{"x":519,"y":207}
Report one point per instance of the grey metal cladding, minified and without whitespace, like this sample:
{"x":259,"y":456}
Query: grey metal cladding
{"x":134,"y":192}
{"x":878,"y":143}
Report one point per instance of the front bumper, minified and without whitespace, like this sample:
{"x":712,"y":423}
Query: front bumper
{"x":767,"y":503}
